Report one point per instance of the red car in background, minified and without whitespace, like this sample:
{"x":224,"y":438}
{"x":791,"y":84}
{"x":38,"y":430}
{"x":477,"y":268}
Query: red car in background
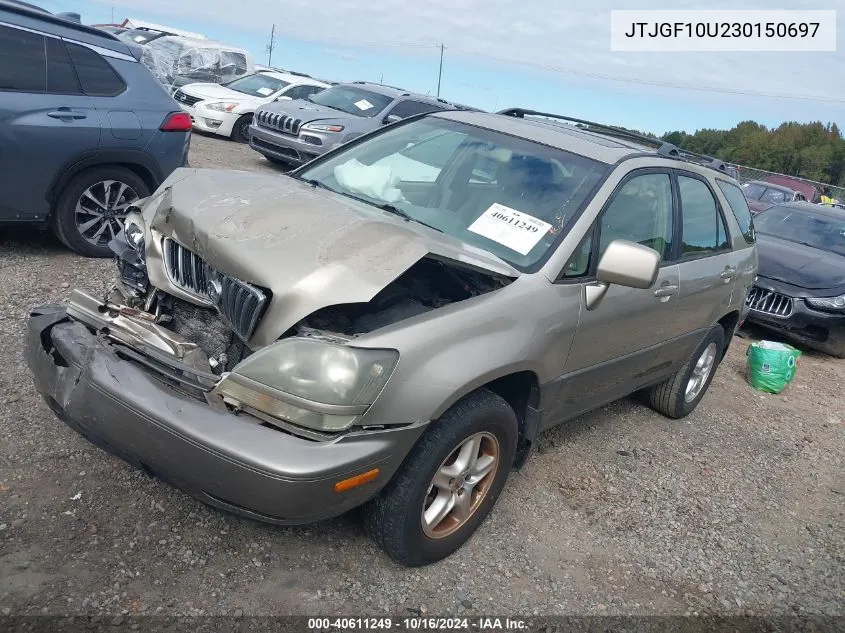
{"x":810,"y":191}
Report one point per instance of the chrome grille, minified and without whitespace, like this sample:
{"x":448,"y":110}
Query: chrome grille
{"x":279,"y":122}
{"x":240,"y":304}
{"x":769,"y":302}
{"x":185,"y":270}
{"x":187,"y":99}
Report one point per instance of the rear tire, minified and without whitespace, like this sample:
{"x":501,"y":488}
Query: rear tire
{"x":240,"y":131}
{"x":679,"y":395}
{"x":397,"y":517}
{"x":95,"y":200}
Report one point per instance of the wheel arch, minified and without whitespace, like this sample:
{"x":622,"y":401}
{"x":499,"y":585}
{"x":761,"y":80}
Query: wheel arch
{"x":139,"y":163}
{"x":520,"y":388}
{"x":729,"y":323}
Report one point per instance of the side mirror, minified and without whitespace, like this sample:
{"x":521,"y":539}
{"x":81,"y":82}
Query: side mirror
{"x":626,"y":264}
{"x":392,"y":118}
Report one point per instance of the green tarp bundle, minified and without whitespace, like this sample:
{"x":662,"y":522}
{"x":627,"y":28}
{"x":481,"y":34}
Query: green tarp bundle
{"x":771,"y":366}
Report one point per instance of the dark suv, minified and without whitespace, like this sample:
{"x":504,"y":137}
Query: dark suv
{"x":85,"y":129}
{"x":294,"y":132}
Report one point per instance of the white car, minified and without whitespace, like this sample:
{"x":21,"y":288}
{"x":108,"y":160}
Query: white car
{"x":227,"y":109}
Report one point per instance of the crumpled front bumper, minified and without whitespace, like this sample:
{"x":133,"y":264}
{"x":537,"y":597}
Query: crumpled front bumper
{"x":226,"y":460}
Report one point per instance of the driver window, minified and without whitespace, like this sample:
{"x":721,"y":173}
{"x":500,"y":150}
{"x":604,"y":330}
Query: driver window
{"x":641,"y":211}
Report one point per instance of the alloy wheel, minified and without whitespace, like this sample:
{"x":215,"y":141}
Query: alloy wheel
{"x":700,"y":372}
{"x":101,"y":209}
{"x":460,"y":485}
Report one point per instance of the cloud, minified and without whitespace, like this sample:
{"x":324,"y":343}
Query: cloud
{"x":544,"y":34}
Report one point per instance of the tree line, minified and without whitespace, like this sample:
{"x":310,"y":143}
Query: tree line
{"x":814,"y":151}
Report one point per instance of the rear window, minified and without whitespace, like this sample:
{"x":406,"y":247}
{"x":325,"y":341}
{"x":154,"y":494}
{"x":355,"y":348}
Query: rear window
{"x":96,"y":75}
{"x":739,"y":206}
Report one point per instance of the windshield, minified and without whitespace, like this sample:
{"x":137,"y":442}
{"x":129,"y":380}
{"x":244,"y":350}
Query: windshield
{"x":507,"y":195}
{"x":805,"y":227}
{"x":258,"y":85}
{"x":356,"y":101}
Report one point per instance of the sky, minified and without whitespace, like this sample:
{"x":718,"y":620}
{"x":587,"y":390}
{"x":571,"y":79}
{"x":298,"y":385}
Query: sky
{"x":541,"y":54}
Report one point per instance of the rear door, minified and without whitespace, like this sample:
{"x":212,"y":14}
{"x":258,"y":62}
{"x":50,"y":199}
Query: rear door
{"x":45,"y":120}
{"x":708,"y":264}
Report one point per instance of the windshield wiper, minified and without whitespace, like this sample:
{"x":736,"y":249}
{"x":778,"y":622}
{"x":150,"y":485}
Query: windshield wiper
{"x":404,"y":215}
{"x":318,"y":184}
{"x":384,"y":207}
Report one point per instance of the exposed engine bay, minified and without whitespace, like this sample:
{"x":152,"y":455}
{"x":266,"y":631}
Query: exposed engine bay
{"x":429,"y":284}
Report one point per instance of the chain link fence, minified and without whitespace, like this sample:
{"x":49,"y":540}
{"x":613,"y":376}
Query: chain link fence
{"x":750,"y":173}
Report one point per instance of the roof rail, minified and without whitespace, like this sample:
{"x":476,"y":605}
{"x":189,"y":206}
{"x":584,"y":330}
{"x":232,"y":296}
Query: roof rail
{"x":667,"y":150}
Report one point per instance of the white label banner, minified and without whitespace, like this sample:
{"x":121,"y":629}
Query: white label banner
{"x":513,"y":229}
{"x":723,"y":30}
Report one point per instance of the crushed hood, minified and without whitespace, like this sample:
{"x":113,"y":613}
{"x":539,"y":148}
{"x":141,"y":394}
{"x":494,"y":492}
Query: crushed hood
{"x":310,"y":247}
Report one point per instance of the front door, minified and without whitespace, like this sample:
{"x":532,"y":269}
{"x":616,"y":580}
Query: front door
{"x":617,"y":344}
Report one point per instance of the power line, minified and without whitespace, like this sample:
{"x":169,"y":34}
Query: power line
{"x":647,"y":82}
{"x":365,"y":44}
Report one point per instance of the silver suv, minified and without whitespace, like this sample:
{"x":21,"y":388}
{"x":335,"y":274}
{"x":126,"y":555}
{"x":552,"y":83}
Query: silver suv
{"x":294,"y":132}
{"x":290,"y":348}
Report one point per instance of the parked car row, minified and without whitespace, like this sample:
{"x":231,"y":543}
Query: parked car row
{"x":95,"y":134}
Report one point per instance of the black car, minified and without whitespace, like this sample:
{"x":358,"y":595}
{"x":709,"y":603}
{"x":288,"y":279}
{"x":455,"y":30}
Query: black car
{"x":800,"y":289}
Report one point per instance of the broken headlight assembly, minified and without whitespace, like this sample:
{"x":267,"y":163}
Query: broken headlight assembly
{"x":128,"y":247}
{"x":315,"y":384}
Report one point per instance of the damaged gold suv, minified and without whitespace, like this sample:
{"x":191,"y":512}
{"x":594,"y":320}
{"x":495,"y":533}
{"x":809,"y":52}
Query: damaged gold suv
{"x":395,"y":322}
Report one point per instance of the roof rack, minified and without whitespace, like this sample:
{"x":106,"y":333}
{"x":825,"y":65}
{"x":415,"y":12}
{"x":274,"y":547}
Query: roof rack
{"x":667,"y":150}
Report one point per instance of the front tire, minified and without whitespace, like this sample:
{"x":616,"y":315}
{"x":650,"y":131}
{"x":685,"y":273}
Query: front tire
{"x":240,"y":131}
{"x":91,"y":208}
{"x":448,"y":483}
{"x":678,"y":396}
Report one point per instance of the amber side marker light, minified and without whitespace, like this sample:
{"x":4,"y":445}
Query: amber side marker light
{"x":357,"y":480}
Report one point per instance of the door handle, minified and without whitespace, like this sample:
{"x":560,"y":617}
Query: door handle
{"x":66,"y":113}
{"x":666,"y":291}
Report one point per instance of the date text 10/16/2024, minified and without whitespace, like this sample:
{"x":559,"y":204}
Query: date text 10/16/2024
{"x":420,"y":623}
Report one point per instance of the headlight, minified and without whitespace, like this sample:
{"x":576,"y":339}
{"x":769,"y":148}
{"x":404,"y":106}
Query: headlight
{"x":323,"y":127}
{"x":829,"y":304}
{"x":133,"y":230}
{"x":312,"y":383}
{"x":222,"y":106}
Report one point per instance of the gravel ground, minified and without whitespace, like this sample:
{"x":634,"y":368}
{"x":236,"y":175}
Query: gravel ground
{"x":737,"y":509}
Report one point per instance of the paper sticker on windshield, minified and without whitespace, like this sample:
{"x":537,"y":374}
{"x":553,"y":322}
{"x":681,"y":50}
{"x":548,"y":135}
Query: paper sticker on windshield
{"x":265,"y":92}
{"x":363,"y":104}
{"x":517,"y":231}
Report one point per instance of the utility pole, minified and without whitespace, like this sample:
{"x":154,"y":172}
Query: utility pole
{"x":112,"y":15}
{"x":440,"y":72}
{"x":270,"y":45}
